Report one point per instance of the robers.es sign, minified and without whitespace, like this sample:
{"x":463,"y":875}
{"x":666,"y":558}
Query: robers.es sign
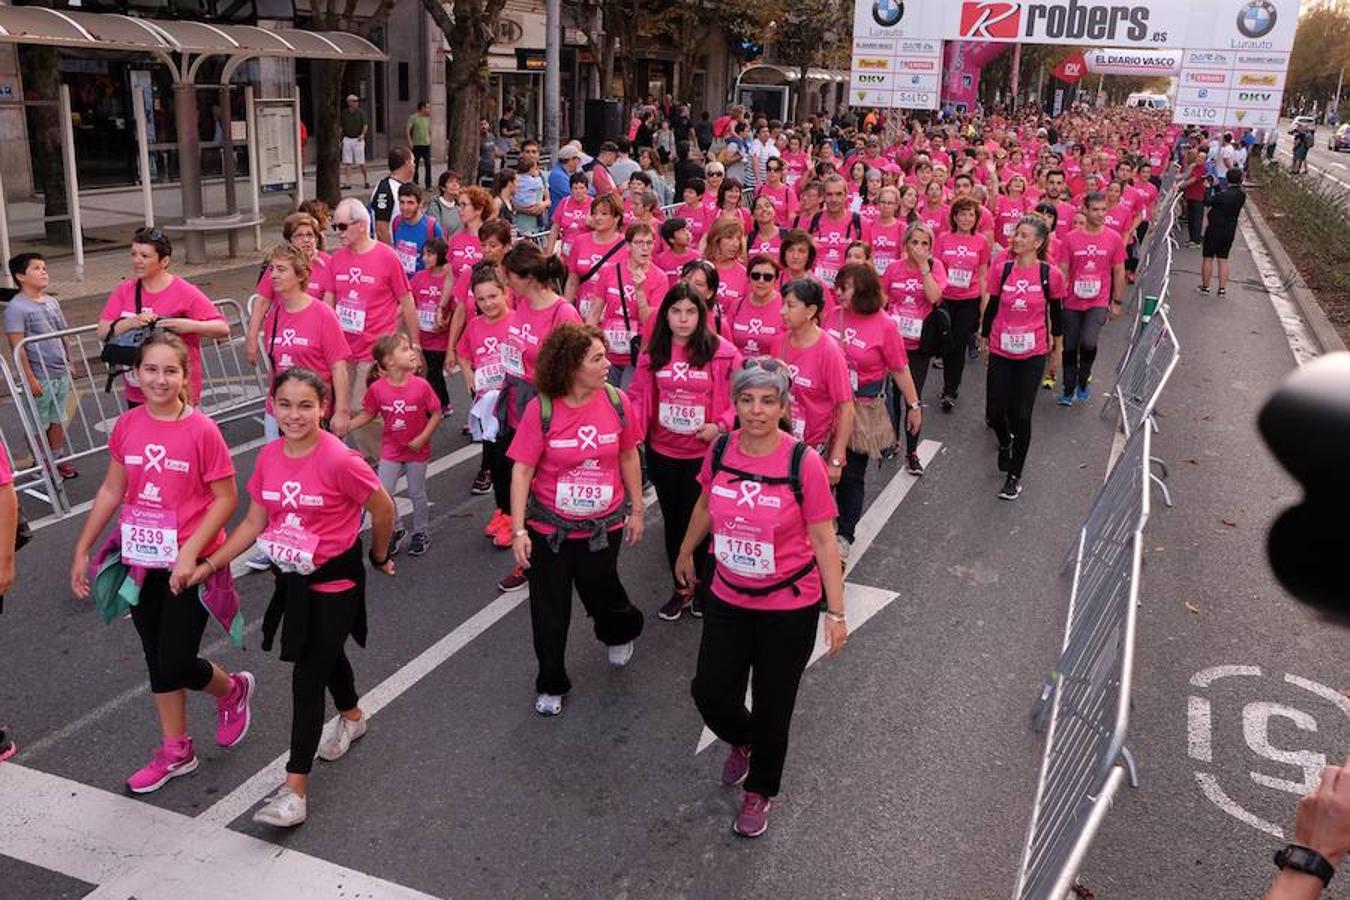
{"x":1074,"y":21}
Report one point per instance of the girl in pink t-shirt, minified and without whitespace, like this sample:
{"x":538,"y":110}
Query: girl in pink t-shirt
{"x":576,"y":484}
{"x":170,"y":482}
{"x":884,"y":233}
{"x":682,"y":392}
{"x":875,"y":353}
{"x":592,"y":252}
{"x":480,"y":362}
{"x":411,"y":413}
{"x":572,"y":217}
{"x":1018,"y":327}
{"x":964,"y":255}
{"x":726,"y":251}
{"x":753,"y":323}
{"x":913,"y":287}
{"x":776,"y":558}
{"x":435,"y":304}
{"x":766,"y":235}
{"x":153,"y":296}
{"x":301,"y":231}
{"x":678,"y":237}
{"x":308,"y":494}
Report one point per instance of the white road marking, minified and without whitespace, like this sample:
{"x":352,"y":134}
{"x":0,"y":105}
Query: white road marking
{"x":860,"y":602}
{"x":1199,"y":730}
{"x":242,"y":798}
{"x":1256,"y":718}
{"x":1296,"y":331}
{"x":1321,"y":690}
{"x":1206,"y":677}
{"x":1319,"y":169}
{"x":1209,"y":785}
{"x":135,"y":849}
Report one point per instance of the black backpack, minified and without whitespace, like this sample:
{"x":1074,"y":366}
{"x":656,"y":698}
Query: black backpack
{"x":793,"y":478}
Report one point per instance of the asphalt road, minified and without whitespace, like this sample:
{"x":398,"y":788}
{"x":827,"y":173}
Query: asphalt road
{"x":912,"y":766}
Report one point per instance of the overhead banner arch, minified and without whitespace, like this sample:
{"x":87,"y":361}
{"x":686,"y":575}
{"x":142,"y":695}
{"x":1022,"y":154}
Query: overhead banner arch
{"x":893,"y":37}
{"x":1165,"y":63}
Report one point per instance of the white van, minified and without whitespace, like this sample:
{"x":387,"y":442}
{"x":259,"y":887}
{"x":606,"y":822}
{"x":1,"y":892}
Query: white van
{"x":1148,"y":101}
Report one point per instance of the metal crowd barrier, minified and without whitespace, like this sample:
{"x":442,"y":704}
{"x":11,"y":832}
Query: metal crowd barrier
{"x":34,"y":474}
{"x":1086,"y":702}
{"x":231,"y":389}
{"x":1084,"y":705}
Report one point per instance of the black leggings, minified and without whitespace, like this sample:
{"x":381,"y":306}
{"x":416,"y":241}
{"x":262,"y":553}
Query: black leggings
{"x":171,"y":627}
{"x":322,"y":664}
{"x":1195,"y":219}
{"x":677,"y":489}
{"x":895,"y":400}
{"x":1010,"y":392}
{"x":850,"y":492}
{"x":595,"y":573}
{"x":770,"y":649}
{"x":1082,"y":327}
{"x":436,"y":375}
{"x":499,"y":464}
{"x":965,"y":317}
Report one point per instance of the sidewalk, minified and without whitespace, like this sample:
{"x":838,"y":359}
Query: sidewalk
{"x":111,"y":215}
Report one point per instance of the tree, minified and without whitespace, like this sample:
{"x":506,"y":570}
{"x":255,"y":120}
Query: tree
{"x":42,"y":81}
{"x":469,"y":32}
{"x":326,"y":76}
{"x":1321,"y":50}
{"x":690,"y":26}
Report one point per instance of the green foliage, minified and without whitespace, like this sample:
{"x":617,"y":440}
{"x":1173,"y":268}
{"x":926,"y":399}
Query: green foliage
{"x":1321,"y":49}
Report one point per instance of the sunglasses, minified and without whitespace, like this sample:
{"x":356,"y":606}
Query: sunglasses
{"x":712,"y":174}
{"x":148,"y":235}
{"x":340,"y":227}
{"x":766,"y":364}
{"x":762,"y":276}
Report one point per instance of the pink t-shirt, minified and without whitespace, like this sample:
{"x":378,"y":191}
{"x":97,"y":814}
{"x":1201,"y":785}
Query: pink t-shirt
{"x":428,"y":292}
{"x":678,"y":399}
{"x":1010,"y":212}
{"x":480,"y":348}
{"x":906,"y":301}
{"x":570,"y":217}
{"x":170,"y":467}
{"x":696,"y":216}
{"x":733,"y":285}
{"x":886,"y":242}
{"x":872,"y":345}
{"x":405,"y":410}
{"x":313,"y":502}
{"x":1149,"y":194}
{"x":1091,"y":259}
{"x":460,"y":294}
{"x":961,"y":256}
{"x":524,"y":336}
{"x":1119,"y":218}
{"x":6,"y":472}
{"x":318,"y":279}
{"x":619,"y":290}
{"x":309,"y":339}
{"x":180,"y":300}
{"x":1064,"y":221}
{"x":367,"y":288}
{"x":832,"y":239}
{"x":670,"y":263}
{"x":820,"y":383}
{"x":769,"y":246}
{"x":585,"y":254}
{"x":576,"y":465}
{"x":935,"y":217}
{"x":784,"y":202}
{"x":753,"y":327}
{"x":464,"y":250}
{"x":759,"y":530}
{"x":1022,"y":325}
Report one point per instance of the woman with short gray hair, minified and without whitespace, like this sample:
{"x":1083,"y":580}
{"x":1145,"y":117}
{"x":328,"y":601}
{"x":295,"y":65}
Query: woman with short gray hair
{"x":766,"y":501}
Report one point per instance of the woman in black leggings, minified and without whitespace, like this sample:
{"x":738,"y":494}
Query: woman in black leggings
{"x":309,"y":492}
{"x":1023,"y":314}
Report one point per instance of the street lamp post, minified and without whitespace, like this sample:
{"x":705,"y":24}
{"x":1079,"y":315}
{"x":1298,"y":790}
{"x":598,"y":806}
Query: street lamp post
{"x":552,"y":74}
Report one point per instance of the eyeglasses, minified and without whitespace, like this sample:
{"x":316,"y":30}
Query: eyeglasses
{"x":340,"y":227}
{"x":762,"y":276}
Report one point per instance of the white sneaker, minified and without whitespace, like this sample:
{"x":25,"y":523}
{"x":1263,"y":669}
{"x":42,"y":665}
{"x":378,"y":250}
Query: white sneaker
{"x":338,"y":736}
{"x":285,"y":809}
{"x":548,"y":704}
{"x":259,"y":562}
{"x":845,"y":547}
{"x":620,"y":654}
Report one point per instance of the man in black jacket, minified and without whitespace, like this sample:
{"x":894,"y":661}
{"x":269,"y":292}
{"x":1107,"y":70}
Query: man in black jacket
{"x":1224,"y":208}
{"x":685,"y":168}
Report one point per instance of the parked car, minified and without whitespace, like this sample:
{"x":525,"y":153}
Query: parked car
{"x":1307,"y":123}
{"x":1340,"y":139}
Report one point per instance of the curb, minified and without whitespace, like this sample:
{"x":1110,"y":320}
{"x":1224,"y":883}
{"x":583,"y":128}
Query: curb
{"x":1323,"y":331}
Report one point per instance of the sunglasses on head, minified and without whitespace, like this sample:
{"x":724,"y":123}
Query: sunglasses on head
{"x":761,"y":275}
{"x":766,"y":364}
{"x":149,"y":235}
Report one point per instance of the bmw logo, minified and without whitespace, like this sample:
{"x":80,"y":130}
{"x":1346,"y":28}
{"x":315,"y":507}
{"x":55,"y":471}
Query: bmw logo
{"x":1255,"y":20}
{"x":887,"y":13}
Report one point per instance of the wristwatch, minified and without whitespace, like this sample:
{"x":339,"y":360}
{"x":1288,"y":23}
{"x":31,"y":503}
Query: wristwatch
{"x":1305,"y":859}
{"x":918,"y":405}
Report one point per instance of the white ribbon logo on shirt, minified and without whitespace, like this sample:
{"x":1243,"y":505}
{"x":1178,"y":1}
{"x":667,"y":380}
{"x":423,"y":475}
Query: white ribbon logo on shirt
{"x":354,"y":274}
{"x":849,"y":335}
{"x":680,"y":371}
{"x":749,"y":491}
{"x":490,"y":344}
{"x":754,"y":326}
{"x":587,"y":433}
{"x":287,"y":337}
{"x":290,"y":492}
{"x":525,"y":331}
{"x":154,"y":457}
{"x":792,"y":371}
{"x":400,"y":407}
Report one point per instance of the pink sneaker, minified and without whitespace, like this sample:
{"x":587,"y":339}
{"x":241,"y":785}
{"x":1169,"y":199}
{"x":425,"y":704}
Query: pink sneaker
{"x":737,"y":765}
{"x":232,"y":712}
{"x":172,"y":758}
{"x":754,"y":818}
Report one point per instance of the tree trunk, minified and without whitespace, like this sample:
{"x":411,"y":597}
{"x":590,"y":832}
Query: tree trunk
{"x":327,"y":82}
{"x":42,"y":81}
{"x":466,"y":89}
{"x":607,"y":45}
